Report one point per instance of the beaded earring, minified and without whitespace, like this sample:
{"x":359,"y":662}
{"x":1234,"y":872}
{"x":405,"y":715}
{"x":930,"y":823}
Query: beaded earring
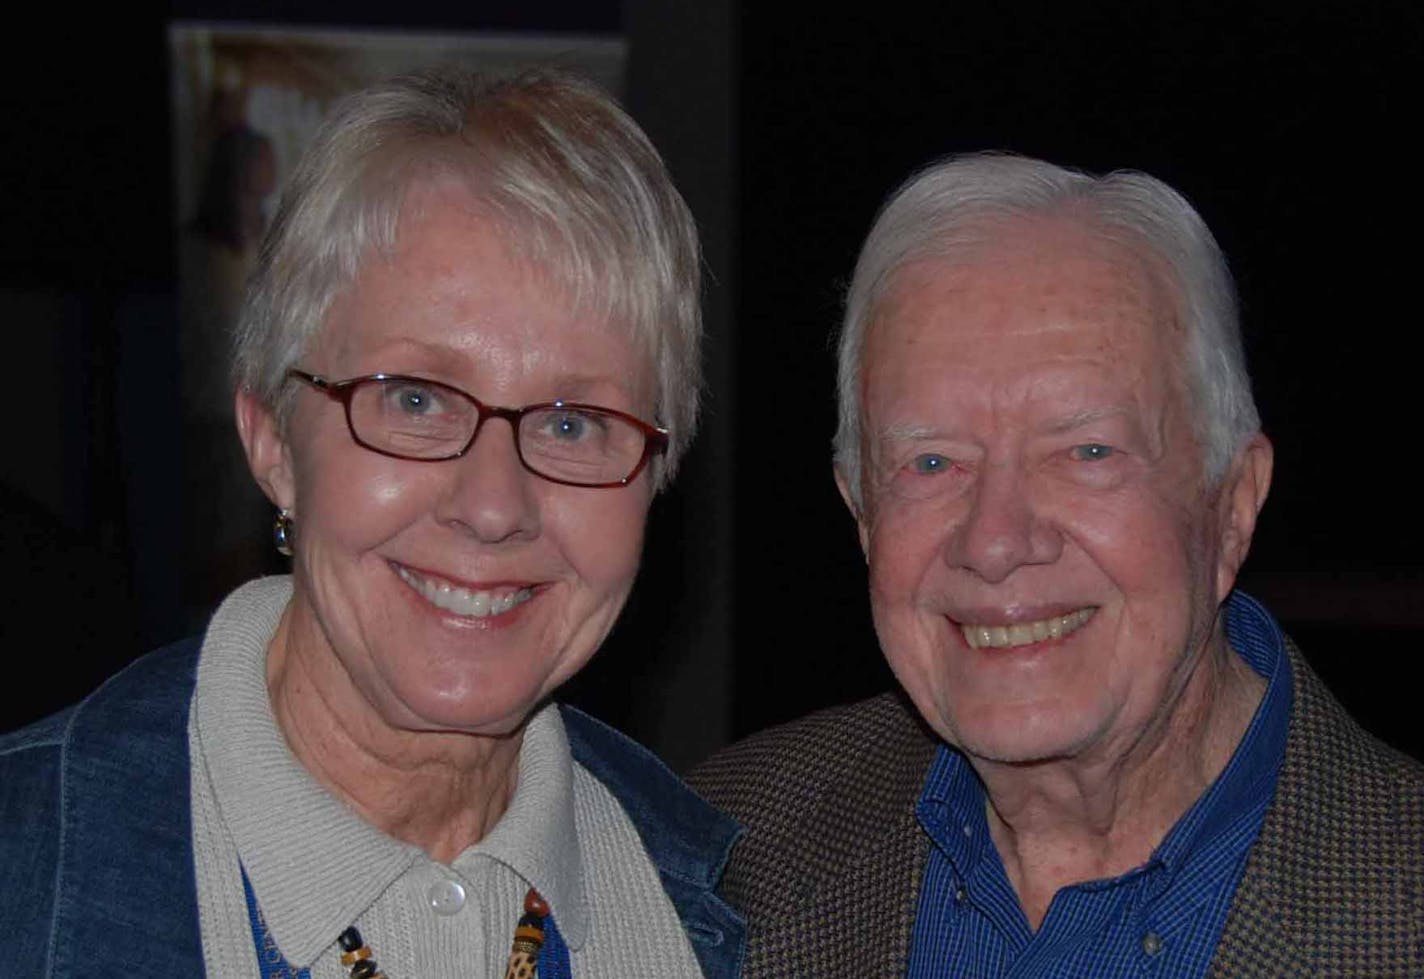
{"x":282,"y":531}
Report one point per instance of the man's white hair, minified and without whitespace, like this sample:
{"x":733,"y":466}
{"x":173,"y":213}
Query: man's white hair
{"x":955,"y":204}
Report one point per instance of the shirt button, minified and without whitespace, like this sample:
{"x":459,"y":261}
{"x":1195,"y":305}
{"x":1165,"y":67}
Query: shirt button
{"x":1151,"y":944}
{"x":961,"y":895}
{"x":446,"y":897}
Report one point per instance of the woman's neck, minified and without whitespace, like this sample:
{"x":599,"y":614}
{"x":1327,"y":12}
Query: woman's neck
{"x":441,"y":791}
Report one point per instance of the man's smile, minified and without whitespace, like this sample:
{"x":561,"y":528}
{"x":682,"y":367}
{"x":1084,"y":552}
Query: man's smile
{"x":1022,"y":633}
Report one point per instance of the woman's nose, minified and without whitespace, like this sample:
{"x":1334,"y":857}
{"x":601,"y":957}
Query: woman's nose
{"x":491,"y":494}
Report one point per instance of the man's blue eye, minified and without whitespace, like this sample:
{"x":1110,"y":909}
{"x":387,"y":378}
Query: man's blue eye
{"x":1092,"y":452}
{"x":929,"y":463}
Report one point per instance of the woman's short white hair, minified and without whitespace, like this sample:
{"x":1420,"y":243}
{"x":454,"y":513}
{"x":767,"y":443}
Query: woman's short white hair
{"x":574,"y":184}
{"x":951,"y":206}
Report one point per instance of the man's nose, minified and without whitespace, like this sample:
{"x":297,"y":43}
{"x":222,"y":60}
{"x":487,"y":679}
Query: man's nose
{"x":1002,"y":530}
{"x":491,"y":494}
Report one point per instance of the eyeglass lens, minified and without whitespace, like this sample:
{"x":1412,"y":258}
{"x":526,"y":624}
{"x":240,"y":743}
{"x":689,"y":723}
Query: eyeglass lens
{"x":424,"y":420}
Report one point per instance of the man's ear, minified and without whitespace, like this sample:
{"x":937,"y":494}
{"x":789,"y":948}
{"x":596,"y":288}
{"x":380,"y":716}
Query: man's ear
{"x":861,"y":527}
{"x":267,"y":454}
{"x":1244,"y":492}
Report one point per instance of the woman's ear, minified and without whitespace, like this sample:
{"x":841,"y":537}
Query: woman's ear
{"x":266,"y":449}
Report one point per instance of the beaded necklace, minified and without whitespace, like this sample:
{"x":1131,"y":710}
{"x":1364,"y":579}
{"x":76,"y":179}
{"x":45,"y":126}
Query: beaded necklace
{"x":530,"y":935}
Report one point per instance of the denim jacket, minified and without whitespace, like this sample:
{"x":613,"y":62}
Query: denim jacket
{"x":96,"y":853}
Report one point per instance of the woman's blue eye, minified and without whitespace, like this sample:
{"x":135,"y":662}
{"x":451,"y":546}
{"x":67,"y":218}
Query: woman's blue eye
{"x":412,"y":399}
{"x":1092,"y":452}
{"x":415,"y":400}
{"x":929,"y":463}
{"x":570,"y":427}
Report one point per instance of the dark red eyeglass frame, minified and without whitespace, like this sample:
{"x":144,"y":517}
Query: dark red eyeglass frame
{"x":655,"y":439}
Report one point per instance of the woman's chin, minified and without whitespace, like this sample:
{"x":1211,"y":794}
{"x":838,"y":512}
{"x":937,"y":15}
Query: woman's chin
{"x":488,"y":713}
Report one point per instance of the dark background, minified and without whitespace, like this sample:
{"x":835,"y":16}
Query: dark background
{"x":1289,"y":125}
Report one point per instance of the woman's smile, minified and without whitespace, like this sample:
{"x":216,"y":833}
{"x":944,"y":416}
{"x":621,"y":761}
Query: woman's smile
{"x":474,"y":602}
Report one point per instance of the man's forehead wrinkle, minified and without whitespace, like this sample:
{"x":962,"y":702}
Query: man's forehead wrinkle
{"x":1048,"y":411}
{"x":1054,"y":302}
{"x":1092,"y":325}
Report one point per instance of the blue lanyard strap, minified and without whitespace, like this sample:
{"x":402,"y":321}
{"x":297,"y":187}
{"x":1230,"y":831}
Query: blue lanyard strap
{"x":270,"y":960}
{"x":553,"y":955}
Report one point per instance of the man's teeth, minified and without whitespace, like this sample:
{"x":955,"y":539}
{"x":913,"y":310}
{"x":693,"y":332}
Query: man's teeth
{"x":1023,"y":633}
{"x":461,"y":601}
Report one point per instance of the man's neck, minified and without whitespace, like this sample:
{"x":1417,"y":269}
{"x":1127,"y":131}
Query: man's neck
{"x":1097,"y":816}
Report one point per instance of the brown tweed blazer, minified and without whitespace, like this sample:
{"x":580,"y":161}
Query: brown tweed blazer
{"x":828,"y":873}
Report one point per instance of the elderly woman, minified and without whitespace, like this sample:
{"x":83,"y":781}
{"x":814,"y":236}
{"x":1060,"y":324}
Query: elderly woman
{"x":468,"y":360}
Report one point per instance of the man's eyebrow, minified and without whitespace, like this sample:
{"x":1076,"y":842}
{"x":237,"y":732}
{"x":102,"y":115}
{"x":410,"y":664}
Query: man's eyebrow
{"x":904,"y":432}
{"x":1086,"y":417}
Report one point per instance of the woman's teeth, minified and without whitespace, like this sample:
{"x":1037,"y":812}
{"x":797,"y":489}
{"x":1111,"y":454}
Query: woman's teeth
{"x":1023,"y":633}
{"x":461,"y":601}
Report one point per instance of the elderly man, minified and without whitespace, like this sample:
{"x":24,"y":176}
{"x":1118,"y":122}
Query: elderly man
{"x":1113,"y":765}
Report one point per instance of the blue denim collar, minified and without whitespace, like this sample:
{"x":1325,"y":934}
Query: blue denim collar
{"x":125,"y":896}
{"x":688,"y":840}
{"x":125,"y":881}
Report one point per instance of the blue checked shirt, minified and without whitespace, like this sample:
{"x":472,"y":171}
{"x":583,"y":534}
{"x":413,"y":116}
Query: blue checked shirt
{"x":1161,"y":920}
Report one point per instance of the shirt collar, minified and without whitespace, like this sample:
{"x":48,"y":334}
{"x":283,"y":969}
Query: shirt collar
{"x":1245,"y":786}
{"x":951,"y":810}
{"x":315,"y":866}
{"x":951,"y":804}
{"x":536,"y":837}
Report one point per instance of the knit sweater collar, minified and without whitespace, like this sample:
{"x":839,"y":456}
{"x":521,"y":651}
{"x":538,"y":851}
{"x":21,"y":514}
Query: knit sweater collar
{"x":314,"y":864}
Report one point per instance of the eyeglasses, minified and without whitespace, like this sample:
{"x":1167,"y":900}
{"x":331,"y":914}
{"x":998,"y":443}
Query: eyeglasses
{"x":426,"y":421}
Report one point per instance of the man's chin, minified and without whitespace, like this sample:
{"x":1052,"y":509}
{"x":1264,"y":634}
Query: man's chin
{"x":1015,"y":740}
